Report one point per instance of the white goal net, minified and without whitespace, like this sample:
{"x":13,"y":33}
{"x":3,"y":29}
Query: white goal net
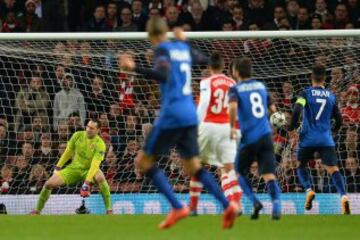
{"x":49,"y":88}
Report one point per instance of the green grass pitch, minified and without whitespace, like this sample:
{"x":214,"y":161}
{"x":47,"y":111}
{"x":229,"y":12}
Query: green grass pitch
{"x":143,"y":227}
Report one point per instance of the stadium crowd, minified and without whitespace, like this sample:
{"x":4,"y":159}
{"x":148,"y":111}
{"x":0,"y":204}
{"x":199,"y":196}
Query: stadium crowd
{"x":43,"y":104}
{"x":193,"y":15}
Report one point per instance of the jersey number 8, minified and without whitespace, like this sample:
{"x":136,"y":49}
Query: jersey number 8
{"x":257,"y":106}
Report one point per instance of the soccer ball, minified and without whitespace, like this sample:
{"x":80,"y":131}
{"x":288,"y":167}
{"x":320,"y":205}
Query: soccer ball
{"x":278,"y":119}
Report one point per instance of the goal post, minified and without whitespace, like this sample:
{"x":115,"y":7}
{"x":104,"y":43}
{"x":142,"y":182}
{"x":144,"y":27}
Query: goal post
{"x":37,"y":115}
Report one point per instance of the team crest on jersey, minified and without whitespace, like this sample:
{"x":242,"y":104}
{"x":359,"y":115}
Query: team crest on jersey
{"x":92,"y":146}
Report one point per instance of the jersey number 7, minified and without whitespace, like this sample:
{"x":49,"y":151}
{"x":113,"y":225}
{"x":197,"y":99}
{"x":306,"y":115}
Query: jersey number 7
{"x":321,"y":109}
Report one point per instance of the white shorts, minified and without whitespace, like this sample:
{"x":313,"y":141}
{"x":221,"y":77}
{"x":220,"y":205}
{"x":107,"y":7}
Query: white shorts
{"x":216,"y":147}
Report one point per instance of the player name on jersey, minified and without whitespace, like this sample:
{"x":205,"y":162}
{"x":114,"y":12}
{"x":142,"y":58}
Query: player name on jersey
{"x":250,"y":87}
{"x":178,"y":55}
{"x":320,"y":93}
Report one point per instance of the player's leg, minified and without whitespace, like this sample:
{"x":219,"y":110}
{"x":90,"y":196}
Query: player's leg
{"x":329,"y":159}
{"x":243,"y":160}
{"x":189,"y":151}
{"x":226,"y":154}
{"x":229,"y":183}
{"x":53,"y":182}
{"x":196,"y":186}
{"x":159,"y":142}
{"x":266,"y":161}
{"x":104,"y":190}
{"x":303,"y":156}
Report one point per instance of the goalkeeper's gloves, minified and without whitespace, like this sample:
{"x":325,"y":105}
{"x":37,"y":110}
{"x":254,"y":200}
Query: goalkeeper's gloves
{"x":85,"y":190}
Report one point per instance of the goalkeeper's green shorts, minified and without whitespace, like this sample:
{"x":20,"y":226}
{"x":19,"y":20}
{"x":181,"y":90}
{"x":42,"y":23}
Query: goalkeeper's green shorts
{"x":72,"y":176}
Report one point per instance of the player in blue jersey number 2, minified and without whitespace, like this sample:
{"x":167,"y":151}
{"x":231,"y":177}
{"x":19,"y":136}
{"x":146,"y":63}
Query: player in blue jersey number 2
{"x":177,"y":122}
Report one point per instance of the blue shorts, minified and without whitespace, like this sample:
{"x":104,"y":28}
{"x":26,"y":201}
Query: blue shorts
{"x":261,"y":151}
{"x":160,"y":141}
{"x":327,"y":155}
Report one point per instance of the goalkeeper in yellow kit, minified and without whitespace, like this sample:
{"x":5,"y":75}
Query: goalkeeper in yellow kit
{"x":87,"y":151}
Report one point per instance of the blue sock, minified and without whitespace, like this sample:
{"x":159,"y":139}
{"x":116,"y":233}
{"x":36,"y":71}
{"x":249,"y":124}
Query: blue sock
{"x":246,"y":187}
{"x":212,"y":186}
{"x":162,"y":184}
{"x":338,"y":181}
{"x":273,"y":190}
{"x":304,"y":177}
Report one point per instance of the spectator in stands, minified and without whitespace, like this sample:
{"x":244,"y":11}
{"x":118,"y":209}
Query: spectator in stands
{"x":21,"y":172}
{"x":279,"y":13}
{"x":98,"y":98}
{"x":7,"y":6}
{"x":238,"y":18}
{"x":156,"y":4}
{"x":98,"y":22}
{"x":127,"y":175}
{"x":172,"y":17}
{"x":112,"y":18}
{"x":30,"y":21}
{"x":287,"y":175}
{"x":67,"y":101}
{"x":257,"y":183}
{"x":104,"y":123}
{"x":352,"y":175}
{"x":316,"y":22}
{"x":288,"y":94}
{"x":321,"y":179}
{"x":348,"y":144}
{"x":199,"y":19}
{"x":6,"y":179}
{"x":176,"y":172}
{"x":227,"y":25}
{"x":154,"y":12}
{"x":4,"y":144}
{"x":139,"y":16}
{"x":340,"y":20}
{"x":321,"y":10}
{"x":37,"y":178}
{"x":37,"y":128}
{"x":74,"y":122}
{"x":351,"y":112}
{"x":127,"y":24}
{"x":10,"y":24}
{"x":63,"y":132}
{"x":354,"y":12}
{"x":30,"y":101}
{"x":25,"y":135}
{"x":45,"y":153}
{"x":111,"y":169}
{"x":85,"y":52}
{"x":115,"y":118}
{"x":61,"y":149}
{"x":257,"y":13}
{"x":303,"y":19}
{"x":292,"y":9}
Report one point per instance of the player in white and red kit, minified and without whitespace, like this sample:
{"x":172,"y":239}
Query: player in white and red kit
{"x":216,"y":146}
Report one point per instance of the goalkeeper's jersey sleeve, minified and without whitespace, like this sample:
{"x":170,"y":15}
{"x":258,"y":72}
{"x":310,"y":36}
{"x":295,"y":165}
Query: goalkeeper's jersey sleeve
{"x":86,"y":150}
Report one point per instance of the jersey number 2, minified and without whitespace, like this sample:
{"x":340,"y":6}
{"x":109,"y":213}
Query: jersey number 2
{"x":257,"y":106}
{"x":186,"y":69}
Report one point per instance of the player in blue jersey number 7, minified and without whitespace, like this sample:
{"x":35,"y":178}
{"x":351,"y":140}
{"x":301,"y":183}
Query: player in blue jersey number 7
{"x":318,"y":106}
{"x":250,"y":100}
{"x":177,"y":122}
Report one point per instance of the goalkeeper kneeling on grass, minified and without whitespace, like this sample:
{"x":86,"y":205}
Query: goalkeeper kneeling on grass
{"x":87,"y":151}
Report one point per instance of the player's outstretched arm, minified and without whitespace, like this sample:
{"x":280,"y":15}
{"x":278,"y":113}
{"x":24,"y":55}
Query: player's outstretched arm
{"x":159,"y":72}
{"x":232,"y":118}
{"x":65,"y":157}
